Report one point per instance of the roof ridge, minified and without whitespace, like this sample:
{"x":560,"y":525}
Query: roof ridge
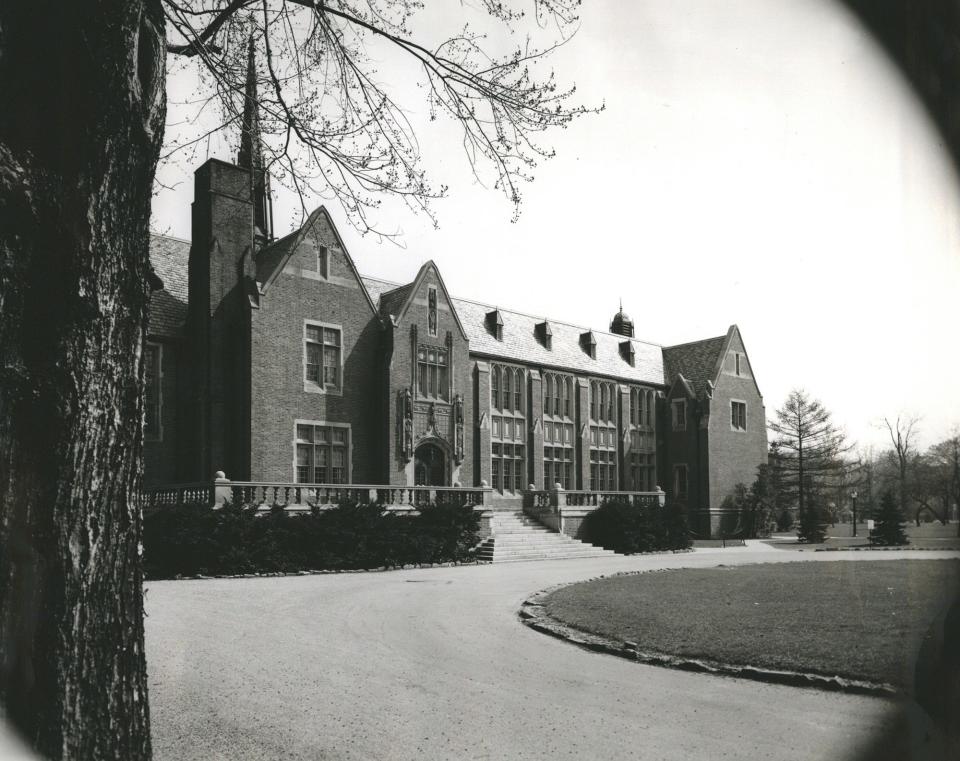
{"x":171,"y":237}
{"x":558,"y":322}
{"x":524,"y":314}
{"x":698,"y":341}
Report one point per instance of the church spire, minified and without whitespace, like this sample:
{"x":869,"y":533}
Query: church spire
{"x":250,"y":156}
{"x":251,"y":153}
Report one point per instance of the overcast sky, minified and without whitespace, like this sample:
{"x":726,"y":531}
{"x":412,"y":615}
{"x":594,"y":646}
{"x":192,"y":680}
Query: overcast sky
{"x":757,"y":163}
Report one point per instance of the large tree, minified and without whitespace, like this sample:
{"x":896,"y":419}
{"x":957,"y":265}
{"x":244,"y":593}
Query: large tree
{"x":811,"y":451}
{"x":940,"y":475}
{"x":81,"y":128}
{"x":902,"y":437}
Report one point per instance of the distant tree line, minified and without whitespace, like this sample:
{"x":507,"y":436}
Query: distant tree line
{"x":815,"y":478}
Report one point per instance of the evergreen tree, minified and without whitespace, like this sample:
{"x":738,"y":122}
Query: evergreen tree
{"x":809,"y":448}
{"x":813,"y":525}
{"x":890,"y":524}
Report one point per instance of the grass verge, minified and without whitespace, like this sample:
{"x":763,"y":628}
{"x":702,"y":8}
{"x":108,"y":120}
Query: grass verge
{"x":857,"y":620}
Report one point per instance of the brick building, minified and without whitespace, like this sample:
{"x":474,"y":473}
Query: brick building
{"x":275,"y":360}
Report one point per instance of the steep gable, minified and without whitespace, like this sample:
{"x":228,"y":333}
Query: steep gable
{"x":400,"y":301}
{"x":315,"y":251}
{"x":733,"y":361}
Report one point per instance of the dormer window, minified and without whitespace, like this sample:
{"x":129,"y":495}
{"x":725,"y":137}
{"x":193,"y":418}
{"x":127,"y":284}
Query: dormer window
{"x":495,"y":324}
{"x":589,"y":344}
{"x":627,"y":352}
{"x":544,"y":335}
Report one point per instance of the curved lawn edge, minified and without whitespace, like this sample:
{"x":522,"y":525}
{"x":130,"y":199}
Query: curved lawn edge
{"x":533,"y":614}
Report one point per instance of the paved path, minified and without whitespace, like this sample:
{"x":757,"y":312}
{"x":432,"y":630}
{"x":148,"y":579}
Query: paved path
{"x":433,"y":664}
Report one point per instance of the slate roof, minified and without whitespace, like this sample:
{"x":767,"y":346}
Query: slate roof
{"x":520,"y":343}
{"x":170,"y":258}
{"x":271,"y":257}
{"x":391,"y":301}
{"x":696,"y":361}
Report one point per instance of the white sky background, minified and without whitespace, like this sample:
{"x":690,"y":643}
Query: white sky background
{"x":757,"y":163}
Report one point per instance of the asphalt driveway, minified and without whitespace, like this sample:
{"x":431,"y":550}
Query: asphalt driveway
{"x":434,"y":664}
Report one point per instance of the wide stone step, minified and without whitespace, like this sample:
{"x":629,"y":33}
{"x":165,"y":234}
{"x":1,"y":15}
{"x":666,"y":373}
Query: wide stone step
{"x":516,"y":537}
{"x":555,"y":539}
{"x":546,"y":556}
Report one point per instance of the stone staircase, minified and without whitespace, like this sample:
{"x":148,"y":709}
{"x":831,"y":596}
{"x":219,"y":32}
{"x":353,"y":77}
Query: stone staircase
{"x":516,"y":536}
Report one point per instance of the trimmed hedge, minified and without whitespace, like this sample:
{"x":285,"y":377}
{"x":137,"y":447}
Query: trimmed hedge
{"x":627,"y":529}
{"x":196,"y":540}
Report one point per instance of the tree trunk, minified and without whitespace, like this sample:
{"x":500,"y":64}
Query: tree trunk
{"x":82,"y":87}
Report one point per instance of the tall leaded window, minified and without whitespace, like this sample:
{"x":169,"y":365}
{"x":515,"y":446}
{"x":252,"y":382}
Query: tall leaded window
{"x":508,"y":428}
{"x":642,"y":454}
{"x":323,"y":346}
{"x":558,"y":428}
{"x":151,"y":391}
{"x":322,"y":453}
{"x":433,"y":373}
{"x":603,"y":436}
{"x":680,"y":487}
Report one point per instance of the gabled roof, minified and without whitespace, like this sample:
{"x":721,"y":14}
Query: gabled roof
{"x":697,"y":361}
{"x":271,"y":259}
{"x":170,"y":258}
{"x":520,"y":343}
{"x":395,"y":303}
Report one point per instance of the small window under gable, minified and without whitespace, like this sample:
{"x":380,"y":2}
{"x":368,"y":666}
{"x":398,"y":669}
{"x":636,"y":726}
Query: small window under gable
{"x":679,"y":408}
{"x":494,"y":322}
{"x":588,"y":343}
{"x":628,"y":353}
{"x":323,"y":262}
{"x":544,"y":334}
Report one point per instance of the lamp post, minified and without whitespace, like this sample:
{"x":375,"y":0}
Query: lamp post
{"x":661,"y":497}
{"x":853,"y":496}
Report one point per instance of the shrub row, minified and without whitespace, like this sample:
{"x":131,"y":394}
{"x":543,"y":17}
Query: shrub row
{"x":192,"y":540}
{"x":622,"y":527}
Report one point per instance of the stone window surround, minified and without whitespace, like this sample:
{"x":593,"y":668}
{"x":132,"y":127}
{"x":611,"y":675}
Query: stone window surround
{"x":325,"y":424}
{"x":319,"y":388}
{"x":733,"y":427}
{"x":517,"y":414}
{"x":444,"y":385}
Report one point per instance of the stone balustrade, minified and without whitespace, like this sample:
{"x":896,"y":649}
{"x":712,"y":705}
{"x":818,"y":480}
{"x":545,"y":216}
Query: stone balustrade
{"x":564,"y":511}
{"x":266,"y":495}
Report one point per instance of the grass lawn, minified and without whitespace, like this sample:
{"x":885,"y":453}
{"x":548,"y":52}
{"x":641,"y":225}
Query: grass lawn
{"x":861,"y":620}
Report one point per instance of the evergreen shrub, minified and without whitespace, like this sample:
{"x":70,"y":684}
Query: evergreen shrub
{"x":626,"y":528}
{"x":889,"y":524}
{"x":194,"y":540}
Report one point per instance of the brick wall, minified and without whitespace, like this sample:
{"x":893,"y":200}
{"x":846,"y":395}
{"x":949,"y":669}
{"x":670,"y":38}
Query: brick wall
{"x":734,"y":454}
{"x":279,"y":395}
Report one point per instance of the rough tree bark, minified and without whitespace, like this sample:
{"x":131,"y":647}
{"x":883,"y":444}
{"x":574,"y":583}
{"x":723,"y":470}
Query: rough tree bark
{"x":82,"y":88}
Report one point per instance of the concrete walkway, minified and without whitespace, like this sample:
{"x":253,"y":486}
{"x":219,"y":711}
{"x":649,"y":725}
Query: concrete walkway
{"x":434,"y":664}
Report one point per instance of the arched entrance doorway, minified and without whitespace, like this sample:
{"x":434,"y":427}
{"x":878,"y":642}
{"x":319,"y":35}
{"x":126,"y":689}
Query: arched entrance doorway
{"x":429,"y":466}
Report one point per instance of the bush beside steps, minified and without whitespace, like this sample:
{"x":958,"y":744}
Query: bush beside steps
{"x":196,"y":540}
